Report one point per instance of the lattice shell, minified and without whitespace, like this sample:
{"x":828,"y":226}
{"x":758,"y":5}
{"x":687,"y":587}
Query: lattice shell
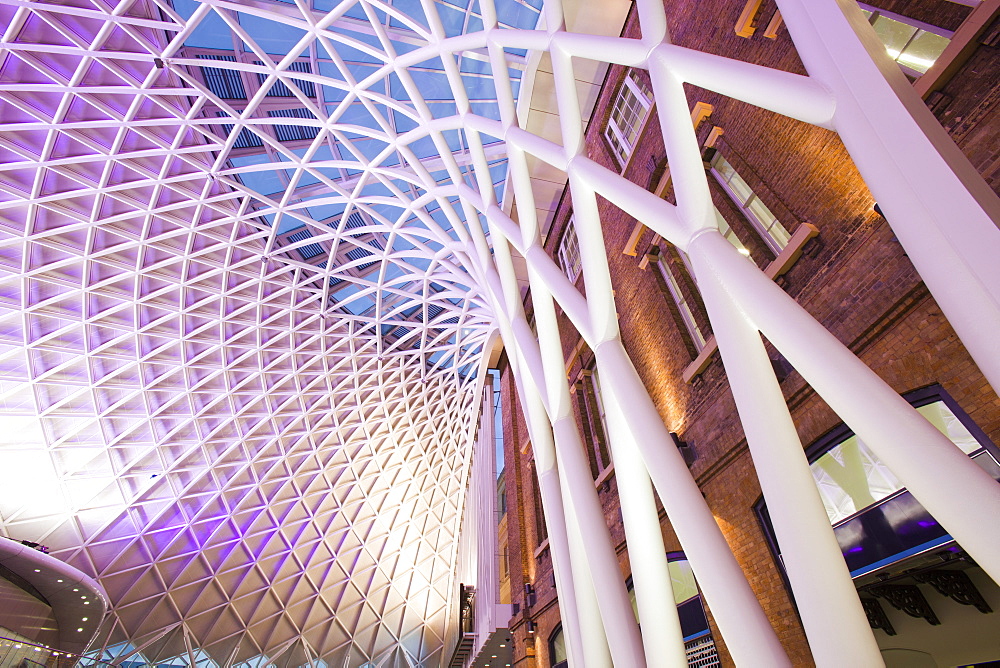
{"x":262,"y":453}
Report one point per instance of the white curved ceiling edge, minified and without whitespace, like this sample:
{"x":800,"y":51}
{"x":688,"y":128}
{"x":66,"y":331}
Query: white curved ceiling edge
{"x":78,"y":602}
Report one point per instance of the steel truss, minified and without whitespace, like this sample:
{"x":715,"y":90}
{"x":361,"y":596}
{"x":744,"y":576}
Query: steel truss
{"x":239,"y":453}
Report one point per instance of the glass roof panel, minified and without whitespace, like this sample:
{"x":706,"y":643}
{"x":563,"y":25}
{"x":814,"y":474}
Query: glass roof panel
{"x":261,"y":312}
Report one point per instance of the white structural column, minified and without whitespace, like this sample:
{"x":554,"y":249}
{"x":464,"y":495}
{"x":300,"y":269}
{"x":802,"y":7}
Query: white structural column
{"x":810,"y":552}
{"x":647,"y":556}
{"x":594,"y":640}
{"x":581,"y":495}
{"x":595,"y":555}
{"x":586,"y":638}
{"x":959,"y":494}
{"x":748,"y":633}
{"x":939,"y":207}
{"x":590,"y":644}
{"x":586,"y":642}
{"x":596,"y":548}
{"x":744,"y":625}
{"x":580,"y":612}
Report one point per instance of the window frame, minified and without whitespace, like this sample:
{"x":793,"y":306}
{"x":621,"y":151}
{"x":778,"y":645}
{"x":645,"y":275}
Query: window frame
{"x":280,"y":89}
{"x":501,"y":496}
{"x":694,"y":333}
{"x":730,"y":235}
{"x":306,"y":252}
{"x":615,"y":131}
{"x":226,"y":84}
{"x":838,"y":435}
{"x":568,"y":251}
{"x":595,"y":425}
{"x":916,"y":398}
{"x":673,"y":557}
{"x":293,"y":133}
{"x":873,"y":14}
{"x":556,"y":632}
{"x":541,"y":528}
{"x":763,"y":229}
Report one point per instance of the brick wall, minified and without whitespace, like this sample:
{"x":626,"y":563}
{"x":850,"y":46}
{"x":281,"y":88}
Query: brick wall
{"x":520,"y":511}
{"x":854,"y":278}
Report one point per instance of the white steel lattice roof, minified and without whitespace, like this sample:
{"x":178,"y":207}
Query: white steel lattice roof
{"x":241,"y":330}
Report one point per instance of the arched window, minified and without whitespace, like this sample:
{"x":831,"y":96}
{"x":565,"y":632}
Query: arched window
{"x":690,"y":609}
{"x":699,"y":645}
{"x":557,"y":649}
{"x":694,"y":622}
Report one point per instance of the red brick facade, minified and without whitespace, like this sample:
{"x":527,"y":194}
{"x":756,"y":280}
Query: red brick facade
{"x":854,"y":278}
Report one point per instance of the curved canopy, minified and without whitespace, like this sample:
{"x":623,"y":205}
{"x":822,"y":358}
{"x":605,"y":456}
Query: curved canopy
{"x":247,"y":281}
{"x":242,"y":332}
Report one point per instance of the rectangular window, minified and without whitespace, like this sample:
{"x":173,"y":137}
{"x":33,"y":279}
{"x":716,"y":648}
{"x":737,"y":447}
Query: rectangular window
{"x":913,"y":44}
{"x":769,"y":227}
{"x":683,"y":307}
{"x":354,"y":221}
{"x":308,"y":250}
{"x":595,"y":383}
{"x":627,"y":115}
{"x":595,"y":422}
{"x":541,"y":531}
{"x":501,"y":497}
{"x":569,"y":252}
{"x":851,"y":478}
{"x":359,"y":253}
{"x":875,"y":519}
{"x":729,"y":234}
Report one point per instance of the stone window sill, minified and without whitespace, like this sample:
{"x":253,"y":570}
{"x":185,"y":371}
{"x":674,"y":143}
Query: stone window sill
{"x":542,"y":548}
{"x":605,"y":475}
